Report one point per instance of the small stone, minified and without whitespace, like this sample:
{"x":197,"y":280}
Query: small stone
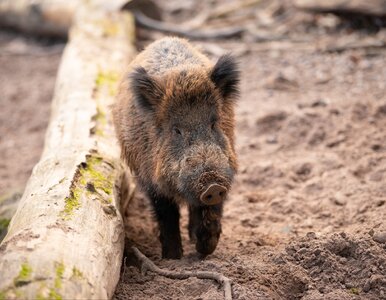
{"x":243,"y":170}
{"x":308,"y":223}
{"x":319,"y":103}
{"x":304,"y":169}
{"x":272,"y":139}
{"x":349,"y":285}
{"x":322,"y":77}
{"x":253,"y":145}
{"x":380,"y":237}
{"x":363,"y":208}
{"x":338,"y":200}
{"x":336,"y":141}
{"x":282,"y":83}
{"x":311,"y":235}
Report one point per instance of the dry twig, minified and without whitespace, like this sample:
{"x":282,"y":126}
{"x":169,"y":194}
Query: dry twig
{"x":149,"y":23}
{"x":366,"y":44}
{"x":224,"y":10}
{"x":148,"y":265}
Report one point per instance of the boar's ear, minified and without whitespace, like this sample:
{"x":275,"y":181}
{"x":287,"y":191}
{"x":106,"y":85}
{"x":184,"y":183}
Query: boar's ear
{"x":225,"y":75}
{"x":147,"y":90}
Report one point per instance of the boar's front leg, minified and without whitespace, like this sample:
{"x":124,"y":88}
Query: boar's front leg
{"x":205,"y":227}
{"x":168,"y":217}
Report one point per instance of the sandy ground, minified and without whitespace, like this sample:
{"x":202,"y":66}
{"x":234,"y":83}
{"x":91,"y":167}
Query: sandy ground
{"x":310,"y":197}
{"x":27,"y":77}
{"x":306,"y":216}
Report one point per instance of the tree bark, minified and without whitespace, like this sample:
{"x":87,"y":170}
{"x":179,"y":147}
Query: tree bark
{"x":66,"y":238}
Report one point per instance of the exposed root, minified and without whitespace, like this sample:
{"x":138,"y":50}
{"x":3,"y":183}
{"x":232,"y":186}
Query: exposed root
{"x":148,"y":265}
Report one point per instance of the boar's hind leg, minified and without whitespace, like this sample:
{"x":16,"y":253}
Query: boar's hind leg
{"x":168,"y":217}
{"x":205,"y":227}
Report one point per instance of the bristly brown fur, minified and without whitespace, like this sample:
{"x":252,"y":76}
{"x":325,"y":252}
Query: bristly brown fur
{"x":137,"y":133}
{"x":175,"y":105}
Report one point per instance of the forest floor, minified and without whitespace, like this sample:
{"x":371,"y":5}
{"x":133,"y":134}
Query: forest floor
{"x":28,"y":69}
{"x":306,"y":215}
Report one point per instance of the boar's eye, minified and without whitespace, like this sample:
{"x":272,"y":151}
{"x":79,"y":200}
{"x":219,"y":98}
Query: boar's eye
{"x":177,"y":131}
{"x":213,"y":125}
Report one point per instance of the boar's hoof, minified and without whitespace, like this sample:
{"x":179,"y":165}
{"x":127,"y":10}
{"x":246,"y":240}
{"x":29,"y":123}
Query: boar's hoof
{"x":172,"y":253}
{"x":206,"y":247}
{"x":213,"y":195}
{"x":208,"y":237}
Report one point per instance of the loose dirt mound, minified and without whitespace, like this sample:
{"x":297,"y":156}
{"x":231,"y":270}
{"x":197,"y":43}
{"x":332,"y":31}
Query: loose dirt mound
{"x":340,"y":263}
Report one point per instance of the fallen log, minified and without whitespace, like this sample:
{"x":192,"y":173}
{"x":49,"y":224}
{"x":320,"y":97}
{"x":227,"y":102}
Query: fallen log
{"x":54,"y":17}
{"x":45,"y":17}
{"x":369,"y":7}
{"x":66,"y":238}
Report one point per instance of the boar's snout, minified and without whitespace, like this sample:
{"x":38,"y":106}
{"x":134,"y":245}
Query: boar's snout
{"x":205,"y":175}
{"x":214,"y":194}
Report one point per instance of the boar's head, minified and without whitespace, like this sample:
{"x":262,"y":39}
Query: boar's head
{"x":192,"y":115}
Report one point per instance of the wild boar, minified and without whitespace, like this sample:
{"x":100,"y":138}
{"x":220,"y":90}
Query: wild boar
{"x":174,"y":119}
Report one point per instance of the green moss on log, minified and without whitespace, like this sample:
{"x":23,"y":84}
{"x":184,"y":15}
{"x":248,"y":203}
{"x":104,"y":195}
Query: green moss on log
{"x":24,"y":275}
{"x":59,"y":270}
{"x":100,"y":122}
{"x":72,"y":202}
{"x":76,"y":273}
{"x":4,"y":224}
{"x":94,"y":176}
{"x":54,"y":295}
{"x":108,"y":27}
{"x":107,"y":79}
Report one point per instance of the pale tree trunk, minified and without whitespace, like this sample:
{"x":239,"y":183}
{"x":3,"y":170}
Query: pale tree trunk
{"x":47,"y":17}
{"x":66,"y":239}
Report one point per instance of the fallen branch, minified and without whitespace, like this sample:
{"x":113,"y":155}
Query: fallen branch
{"x":149,"y":23}
{"x":224,"y":10}
{"x":216,"y":12}
{"x":148,"y":265}
{"x":370,"y":7}
{"x":367,"y":44}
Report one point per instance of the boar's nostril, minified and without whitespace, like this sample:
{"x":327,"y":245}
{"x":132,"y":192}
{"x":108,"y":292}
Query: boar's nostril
{"x":214,"y":194}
